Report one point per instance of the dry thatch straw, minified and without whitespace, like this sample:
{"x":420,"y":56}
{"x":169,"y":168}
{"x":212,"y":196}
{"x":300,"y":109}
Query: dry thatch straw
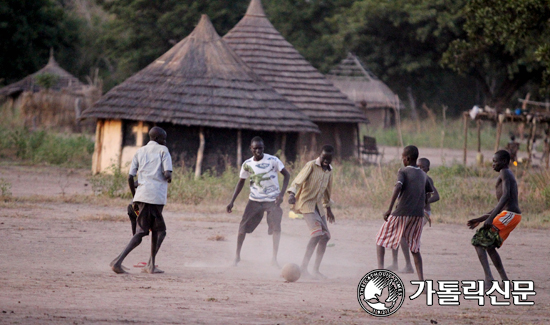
{"x":201,"y":81}
{"x":361,"y":85}
{"x":277,"y":62}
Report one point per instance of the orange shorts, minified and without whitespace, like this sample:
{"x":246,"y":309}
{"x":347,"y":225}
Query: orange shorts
{"x":505,"y":222}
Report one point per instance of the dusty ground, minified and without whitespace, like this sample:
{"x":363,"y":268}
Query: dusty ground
{"x":55,"y":253}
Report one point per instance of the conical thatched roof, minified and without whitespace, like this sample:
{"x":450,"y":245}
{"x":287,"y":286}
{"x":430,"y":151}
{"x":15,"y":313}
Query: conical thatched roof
{"x":361,"y":85}
{"x":201,"y":81}
{"x":276,"y":61}
{"x":64,"y":80}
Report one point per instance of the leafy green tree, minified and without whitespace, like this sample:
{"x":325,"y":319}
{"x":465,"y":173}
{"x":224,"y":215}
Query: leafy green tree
{"x":28,"y":29}
{"x":403,"y":42}
{"x":505,"y":46}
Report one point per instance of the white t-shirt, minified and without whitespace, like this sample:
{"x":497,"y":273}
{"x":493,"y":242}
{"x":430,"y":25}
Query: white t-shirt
{"x":264,"y":183}
{"x":149,"y":163}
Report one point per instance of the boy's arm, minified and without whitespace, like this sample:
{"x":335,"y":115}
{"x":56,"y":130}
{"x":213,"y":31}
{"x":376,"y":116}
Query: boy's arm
{"x":132,"y":185}
{"x":434,"y":196}
{"x":286,"y":179}
{"x":132,"y":173}
{"x":505,"y":176}
{"x":238,"y":190}
{"x":394,"y":196}
{"x":298,"y":181}
{"x":327,"y":201}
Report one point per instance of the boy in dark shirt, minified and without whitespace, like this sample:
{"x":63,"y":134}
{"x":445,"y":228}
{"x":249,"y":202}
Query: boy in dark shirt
{"x":500,"y":221}
{"x":407,"y":219}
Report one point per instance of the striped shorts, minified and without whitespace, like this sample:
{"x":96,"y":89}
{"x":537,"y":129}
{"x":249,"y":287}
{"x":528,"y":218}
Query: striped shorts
{"x":394,"y":228}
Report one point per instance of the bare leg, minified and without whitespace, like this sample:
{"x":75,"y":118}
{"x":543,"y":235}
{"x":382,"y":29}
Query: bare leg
{"x":240,"y":240}
{"x":157,"y":237}
{"x":418,"y":263}
{"x":405,"y":248}
{"x":394,"y":266}
{"x":482,"y":255}
{"x":497,"y":262}
{"x":321,"y":248}
{"x":276,"y":240}
{"x":313,"y":241}
{"x":116,"y":265}
{"x":380,"y":252}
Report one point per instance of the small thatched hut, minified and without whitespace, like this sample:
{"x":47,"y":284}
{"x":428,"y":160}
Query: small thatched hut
{"x":277,"y":62}
{"x":207,"y":99}
{"x":51,"y":98}
{"x":368,"y":92}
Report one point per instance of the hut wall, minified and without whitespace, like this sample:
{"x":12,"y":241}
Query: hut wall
{"x":108,"y":146}
{"x":380,"y":117}
{"x":311,"y":144}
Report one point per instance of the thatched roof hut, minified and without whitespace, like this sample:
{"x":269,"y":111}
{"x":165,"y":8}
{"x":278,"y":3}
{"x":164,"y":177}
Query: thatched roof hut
{"x":277,"y":62}
{"x":201,"y":84}
{"x":368,"y":92}
{"x":50,"y":97}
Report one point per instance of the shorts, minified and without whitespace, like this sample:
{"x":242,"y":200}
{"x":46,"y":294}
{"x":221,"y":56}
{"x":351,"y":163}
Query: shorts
{"x":317,"y":224}
{"x":253,"y":214}
{"x":396,"y":227}
{"x":503,"y":224}
{"x":149,"y":218}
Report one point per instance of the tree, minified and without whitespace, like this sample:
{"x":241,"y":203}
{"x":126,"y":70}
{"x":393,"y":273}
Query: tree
{"x":403,"y":42}
{"x":505,"y":46}
{"x":28,"y":29}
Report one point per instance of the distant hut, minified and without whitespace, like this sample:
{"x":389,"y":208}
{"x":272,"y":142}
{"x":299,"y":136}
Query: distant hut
{"x":368,"y":92}
{"x":50,"y":98}
{"x":207,"y":99}
{"x":276,"y":61}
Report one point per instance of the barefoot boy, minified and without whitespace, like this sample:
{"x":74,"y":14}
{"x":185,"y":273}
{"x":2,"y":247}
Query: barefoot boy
{"x":407,"y":218}
{"x":424,"y":165}
{"x":153,"y":166}
{"x":500,"y":221}
{"x":309,"y":193}
{"x":265,"y":195}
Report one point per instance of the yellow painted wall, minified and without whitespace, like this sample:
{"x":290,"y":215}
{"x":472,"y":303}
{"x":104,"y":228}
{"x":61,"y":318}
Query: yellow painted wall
{"x":108,"y":146}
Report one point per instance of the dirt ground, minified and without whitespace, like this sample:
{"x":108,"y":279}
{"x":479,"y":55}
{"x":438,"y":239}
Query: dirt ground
{"x":55,"y":253}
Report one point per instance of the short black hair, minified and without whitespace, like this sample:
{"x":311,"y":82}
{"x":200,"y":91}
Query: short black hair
{"x":504,"y":155}
{"x":425,"y":161}
{"x":411,"y":152}
{"x":256,"y":139}
{"x":328,"y":149}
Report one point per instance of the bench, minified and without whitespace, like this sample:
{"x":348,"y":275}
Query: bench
{"x":370,"y":149}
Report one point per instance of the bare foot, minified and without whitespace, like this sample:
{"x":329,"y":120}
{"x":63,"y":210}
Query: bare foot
{"x":275,"y":264}
{"x":392,"y":267}
{"x":319,"y":276}
{"x":153,"y":271}
{"x":304,"y":273}
{"x":407,"y":269}
{"x":488,"y":284}
{"x":118,"y":269}
{"x":237,"y":260}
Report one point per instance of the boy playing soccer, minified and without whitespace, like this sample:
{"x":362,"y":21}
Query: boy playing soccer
{"x":407,"y":218}
{"x":500,"y":221}
{"x":424,"y":165}
{"x":153,"y":166}
{"x":264,"y":196}
{"x":309,"y":193}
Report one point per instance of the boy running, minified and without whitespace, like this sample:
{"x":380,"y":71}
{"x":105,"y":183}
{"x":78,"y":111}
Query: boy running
{"x":424,"y":165}
{"x":407,"y":218}
{"x":309,"y":193}
{"x":153,"y":166}
{"x":500,"y":221}
{"x":265,"y":196}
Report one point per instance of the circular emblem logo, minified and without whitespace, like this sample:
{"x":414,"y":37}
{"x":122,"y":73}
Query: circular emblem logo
{"x":380,"y":293}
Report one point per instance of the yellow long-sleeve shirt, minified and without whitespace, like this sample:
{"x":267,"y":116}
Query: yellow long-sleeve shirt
{"x":312,"y":188}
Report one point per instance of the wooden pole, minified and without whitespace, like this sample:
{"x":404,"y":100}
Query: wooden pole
{"x":398,"y":120}
{"x":478,"y":124}
{"x":200,"y":154}
{"x":358,"y":140}
{"x":531,"y":140}
{"x":499,"y":133}
{"x":239,"y":148}
{"x":313,"y":144}
{"x":465,"y":119}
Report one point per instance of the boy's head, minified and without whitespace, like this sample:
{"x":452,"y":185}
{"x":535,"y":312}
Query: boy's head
{"x":424,"y":164}
{"x":326,"y":155}
{"x":501,"y":159}
{"x":257,"y":148}
{"x":158,"y":135}
{"x":409,"y":156}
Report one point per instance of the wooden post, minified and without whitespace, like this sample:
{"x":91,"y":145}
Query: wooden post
{"x":531,"y":140}
{"x":478,"y":124}
{"x":499,"y":132}
{"x":239,"y":149}
{"x":313,"y":144}
{"x":338,"y":142}
{"x":200,"y":154}
{"x":283,"y":147}
{"x":398,"y":120}
{"x":465,"y":118}
{"x":358,"y":140}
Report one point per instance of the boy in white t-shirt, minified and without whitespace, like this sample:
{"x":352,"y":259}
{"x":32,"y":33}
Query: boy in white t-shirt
{"x":265,"y":195}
